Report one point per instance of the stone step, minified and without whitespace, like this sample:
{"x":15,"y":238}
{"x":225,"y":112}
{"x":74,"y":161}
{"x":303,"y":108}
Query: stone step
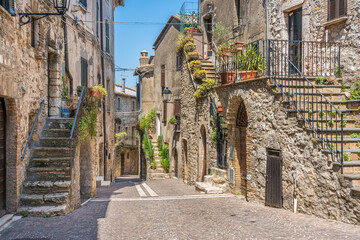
{"x":351,"y":154}
{"x":43,"y":187}
{"x":322,"y":123}
{"x":208,"y":188}
{"x":304,"y":88}
{"x":306,"y":97}
{"x":59,"y":123}
{"x":355,"y":179}
{"x":43,"y":211}
{"x":56,"y":133}
{"x":356,"y":190}
{"x":157,"y":175}
{"x":48,"y":152}
{"x":352,"y":167}
{"x":313,"y":104}
{"x":56,"y":162}
{"x":54,"y":142}
{"x":48,"y":174}
{"x":51,"y":199}
{"x":105,"y":184}
{"x":336,"y":132}
{"x":348,"y":143}
{"x":99,"y":181}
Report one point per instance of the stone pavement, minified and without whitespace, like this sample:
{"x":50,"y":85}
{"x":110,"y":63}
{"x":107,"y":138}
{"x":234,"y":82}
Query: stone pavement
{"x":175,"y":211}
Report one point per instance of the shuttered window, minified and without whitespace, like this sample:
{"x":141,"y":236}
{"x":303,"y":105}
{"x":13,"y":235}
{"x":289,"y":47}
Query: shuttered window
{"x":237,"y":5}
{"x":165,"y":112}
{"x":107,"y":36}
{"x":163,"y":76}
{"x":177,"y":107}
{"x":336,"y":9}
{"x":178,"y":63}
{"x":8,"y":5}
{"x":84,"y":72}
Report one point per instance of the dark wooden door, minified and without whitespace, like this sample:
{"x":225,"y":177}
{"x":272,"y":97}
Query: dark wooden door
{"x":2,"y":157}
{"x":273,"y":191}
{"x":295,"y":37}
{"x":122,"y":158}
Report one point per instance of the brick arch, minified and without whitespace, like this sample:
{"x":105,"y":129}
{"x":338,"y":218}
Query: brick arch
{"x":237,"y":121}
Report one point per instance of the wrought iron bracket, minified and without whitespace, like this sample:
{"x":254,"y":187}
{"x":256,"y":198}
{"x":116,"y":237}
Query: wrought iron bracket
{"x":25,"y":18}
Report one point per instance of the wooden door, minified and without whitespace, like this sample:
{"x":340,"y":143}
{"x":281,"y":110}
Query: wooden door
{"x":2,"y":158}
{"x":273,"y":191}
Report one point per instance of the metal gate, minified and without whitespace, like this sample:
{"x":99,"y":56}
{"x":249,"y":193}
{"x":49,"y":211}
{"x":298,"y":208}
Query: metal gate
{"x":273,"y":191}
{"x":2,"y":157}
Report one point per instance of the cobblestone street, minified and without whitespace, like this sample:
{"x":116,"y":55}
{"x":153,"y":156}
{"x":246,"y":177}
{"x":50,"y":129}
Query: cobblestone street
{"x":173,"y":210}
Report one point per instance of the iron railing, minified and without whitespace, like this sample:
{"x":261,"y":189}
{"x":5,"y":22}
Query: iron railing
{"x":189,"y":15}
{"x":74,"y":134}
{"x":319,"y":114}
{"x":32,"y":130}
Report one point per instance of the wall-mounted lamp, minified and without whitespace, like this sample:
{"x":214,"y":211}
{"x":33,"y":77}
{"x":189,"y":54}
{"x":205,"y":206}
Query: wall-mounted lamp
{"x":61,"y":7}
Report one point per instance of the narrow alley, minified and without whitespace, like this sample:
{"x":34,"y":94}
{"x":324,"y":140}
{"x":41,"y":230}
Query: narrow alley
{"x":169,"y":209}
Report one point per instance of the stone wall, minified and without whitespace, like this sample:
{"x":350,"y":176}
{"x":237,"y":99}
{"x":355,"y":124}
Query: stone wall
{"x":194,"y":119}
{"x":322,"y":191}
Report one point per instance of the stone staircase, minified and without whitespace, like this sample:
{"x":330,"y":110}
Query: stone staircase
{"x":351,"y":143}
{"x":208,"y":66}
{"x":215,"y":183}
{"x":46,"y":189}
{"x":158,"y":173}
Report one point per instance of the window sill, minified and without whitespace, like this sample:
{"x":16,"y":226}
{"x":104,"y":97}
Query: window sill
{"x":5,"y":12}
{"x":83,"y":8}
{"x":336,"y":21}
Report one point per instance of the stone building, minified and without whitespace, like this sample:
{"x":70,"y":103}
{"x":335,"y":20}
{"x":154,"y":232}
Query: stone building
{"x":45,"y":60}
{"x":126,"y":118}
{"x":271,"y":129}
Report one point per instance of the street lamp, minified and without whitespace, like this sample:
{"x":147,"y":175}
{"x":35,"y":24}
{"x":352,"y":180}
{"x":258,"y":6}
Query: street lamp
{"x":61,"y":7}
{"x":167,"y":94}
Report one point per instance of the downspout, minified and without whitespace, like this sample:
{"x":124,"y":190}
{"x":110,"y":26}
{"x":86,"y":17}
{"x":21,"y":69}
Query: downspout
{"x":103,"y":82}
{"x":67,"y":71}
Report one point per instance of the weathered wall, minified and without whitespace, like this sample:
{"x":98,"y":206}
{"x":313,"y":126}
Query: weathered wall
{"x":321,"y":189}
{"x":194,"y":117}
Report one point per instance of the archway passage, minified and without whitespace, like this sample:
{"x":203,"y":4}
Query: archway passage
{"x":2,"y":158}
{"x":241,"y":126}
{"x":202,"y":155}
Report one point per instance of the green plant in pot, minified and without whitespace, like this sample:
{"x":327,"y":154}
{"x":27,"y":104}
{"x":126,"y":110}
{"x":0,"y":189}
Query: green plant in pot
{"x":118,"y":120}
{"x":193,"y":56}
{"x":172,"y":121}
{"x":195,"y":65}
{"x":200,"y":75}
{"x":190,"y":47}
{"x":250,"y":63}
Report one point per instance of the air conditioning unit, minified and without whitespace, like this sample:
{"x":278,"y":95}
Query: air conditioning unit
{"x":232,"y":176}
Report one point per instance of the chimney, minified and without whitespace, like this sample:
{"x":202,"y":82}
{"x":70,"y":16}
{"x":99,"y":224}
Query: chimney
{"x":123,"y":85}
{"x":144,"y":59}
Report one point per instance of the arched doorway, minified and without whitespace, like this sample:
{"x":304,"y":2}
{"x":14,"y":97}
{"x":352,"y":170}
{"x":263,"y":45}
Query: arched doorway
{"x":2,"y":159}
{"x":202,"y":163}
{"x":241,"y":127}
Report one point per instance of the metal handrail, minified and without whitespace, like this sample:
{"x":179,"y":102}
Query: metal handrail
{"x":77,"y":112}
{"x":280,"y":66}
{"x":32,"y":130}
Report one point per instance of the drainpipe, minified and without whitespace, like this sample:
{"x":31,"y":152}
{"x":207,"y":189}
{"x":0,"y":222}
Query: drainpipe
{"x":103,"y":82}
{"x":67,"y":71}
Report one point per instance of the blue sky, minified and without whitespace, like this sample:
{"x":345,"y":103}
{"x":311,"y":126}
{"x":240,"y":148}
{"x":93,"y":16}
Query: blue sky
{"x":131,"y":39}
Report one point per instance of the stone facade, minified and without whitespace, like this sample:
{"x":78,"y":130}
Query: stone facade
{"x":127,"y":109}
{"x":34,"y":61}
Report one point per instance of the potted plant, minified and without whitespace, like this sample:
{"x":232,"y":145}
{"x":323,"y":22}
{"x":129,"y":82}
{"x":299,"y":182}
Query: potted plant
{"x":190,"y":47}
{"x":250,"y":63}
{"x":193,"y":56}
{"x":200,"y":74}
{"x":172,"y":121}
{"x":239,"y":45}
{"x":220,"y":109}
{"x":118,"y":120}
{"x":195,"y":65}
{"x":152,"y":164}
{"x":78,"y":90}
{"x":98,"y":91}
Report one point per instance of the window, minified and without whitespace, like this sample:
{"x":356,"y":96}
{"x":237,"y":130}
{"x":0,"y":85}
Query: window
{"x":126,"y":130}
{"x":163,"y":76}
{"x":83,"y":3}
{"x":119,"y":129}
{"x":107,"y":36}
{"x":133,"y":135}
{"x":118,"y":103}
{"x":177,"y":107}
{"x":336,"y":9}
{"x":178,"y":63}
{"x":133,"y":106}
{"x":84,"y":72}
{"x":97,"y":19}
{"x":128,"y":155}
{"x":165,"y":112}
{"x":8,"y":5}
{"x":237,"y":4}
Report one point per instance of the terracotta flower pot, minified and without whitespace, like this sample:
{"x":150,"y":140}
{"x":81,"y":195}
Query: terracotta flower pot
{"x":247,"y":75}
{"x":227,"y":77}
{"x":220,"y":109}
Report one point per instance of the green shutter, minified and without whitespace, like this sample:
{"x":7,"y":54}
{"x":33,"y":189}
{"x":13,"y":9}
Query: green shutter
{"x":107,"y":30}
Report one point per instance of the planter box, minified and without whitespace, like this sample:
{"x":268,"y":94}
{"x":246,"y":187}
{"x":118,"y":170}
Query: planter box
{"x":247,"y":75}
{"x":227,"y":77}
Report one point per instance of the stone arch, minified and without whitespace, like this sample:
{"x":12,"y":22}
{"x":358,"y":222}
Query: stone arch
{"x":203,"y":154}
{"x":237,"y":119}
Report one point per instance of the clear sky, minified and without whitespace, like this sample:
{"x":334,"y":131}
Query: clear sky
{"x":131,"y":39}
